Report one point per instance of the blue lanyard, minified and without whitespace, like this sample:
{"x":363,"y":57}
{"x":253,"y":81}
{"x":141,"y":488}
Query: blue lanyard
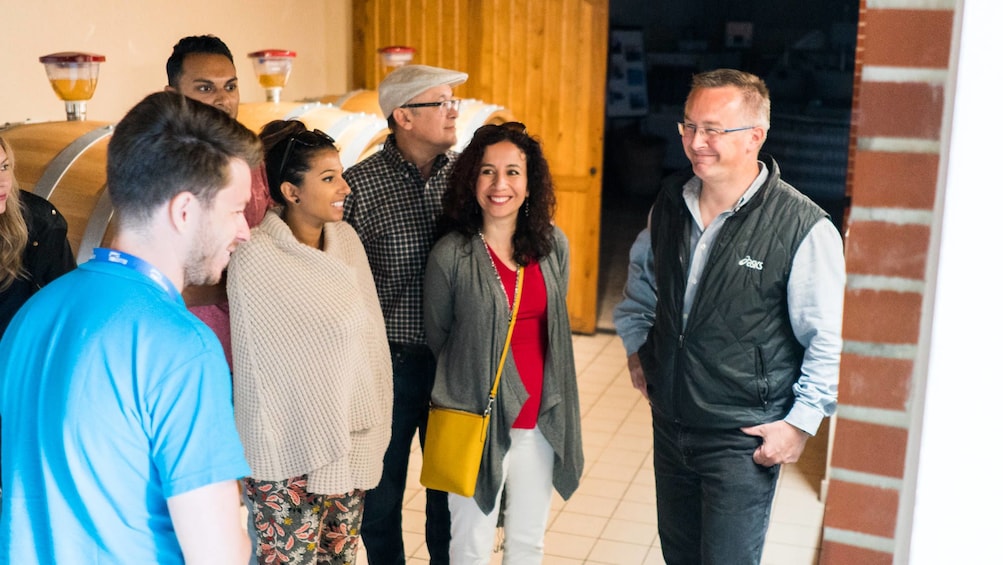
{"x":135,"y":263}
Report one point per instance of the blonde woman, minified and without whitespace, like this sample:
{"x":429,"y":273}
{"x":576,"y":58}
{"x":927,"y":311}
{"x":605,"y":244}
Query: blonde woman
{"x":33,"y":246}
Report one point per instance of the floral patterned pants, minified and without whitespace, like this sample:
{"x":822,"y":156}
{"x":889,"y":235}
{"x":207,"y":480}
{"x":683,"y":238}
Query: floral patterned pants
{"x":298,"y":527}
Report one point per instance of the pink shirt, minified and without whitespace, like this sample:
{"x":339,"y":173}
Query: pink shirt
{"x":217,"y":316}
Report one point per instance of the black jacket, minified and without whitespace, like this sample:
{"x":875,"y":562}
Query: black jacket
{"x":46,"y":256}
{"x":738,"y":358}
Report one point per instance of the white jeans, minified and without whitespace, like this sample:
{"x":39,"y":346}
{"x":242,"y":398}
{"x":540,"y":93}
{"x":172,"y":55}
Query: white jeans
{"x":527,"y":475}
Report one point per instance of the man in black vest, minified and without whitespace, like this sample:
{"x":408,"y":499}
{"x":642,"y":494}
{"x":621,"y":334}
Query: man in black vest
{"x":731,"y":320}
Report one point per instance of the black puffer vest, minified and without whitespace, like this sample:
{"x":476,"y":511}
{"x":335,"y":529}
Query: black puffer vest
{"x":738,"y":359}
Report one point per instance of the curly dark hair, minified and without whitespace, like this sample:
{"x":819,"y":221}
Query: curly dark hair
{"x":461,"y":212}
{"x":289,"y":149}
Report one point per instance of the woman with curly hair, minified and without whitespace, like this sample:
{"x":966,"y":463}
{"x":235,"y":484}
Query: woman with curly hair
{"x":33,"y":246}
{"x":497,"y":236}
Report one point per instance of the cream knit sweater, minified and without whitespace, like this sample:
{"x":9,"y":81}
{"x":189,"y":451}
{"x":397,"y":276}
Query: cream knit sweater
{"x":312,"y":376}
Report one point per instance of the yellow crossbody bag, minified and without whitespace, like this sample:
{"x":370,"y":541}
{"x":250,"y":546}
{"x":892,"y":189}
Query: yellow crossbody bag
{"x":454,"y":439}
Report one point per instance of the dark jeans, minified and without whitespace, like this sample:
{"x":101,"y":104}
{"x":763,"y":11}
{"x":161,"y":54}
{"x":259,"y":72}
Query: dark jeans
{"x":713,"y":501}
{"x":414,"y":373}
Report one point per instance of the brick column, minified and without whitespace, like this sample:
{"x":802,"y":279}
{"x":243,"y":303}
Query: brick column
{"x":903,"y":52}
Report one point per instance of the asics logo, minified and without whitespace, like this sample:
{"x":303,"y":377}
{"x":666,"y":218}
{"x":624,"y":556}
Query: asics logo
{"x":751,"y":263}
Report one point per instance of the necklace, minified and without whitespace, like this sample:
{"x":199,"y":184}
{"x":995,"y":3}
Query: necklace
{"x":518,"y":274}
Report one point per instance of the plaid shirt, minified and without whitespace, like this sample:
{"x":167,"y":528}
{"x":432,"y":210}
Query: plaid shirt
{"x":395,"y":212}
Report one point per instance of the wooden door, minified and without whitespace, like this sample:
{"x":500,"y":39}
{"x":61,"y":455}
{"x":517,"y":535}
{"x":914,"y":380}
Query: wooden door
{"x":543,"y":60}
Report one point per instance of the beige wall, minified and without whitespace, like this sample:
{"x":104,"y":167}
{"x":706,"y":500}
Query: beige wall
{"x":136,"y":37}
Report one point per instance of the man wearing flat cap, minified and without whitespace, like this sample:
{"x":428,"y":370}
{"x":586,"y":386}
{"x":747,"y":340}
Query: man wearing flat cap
{"x":395,"y":203}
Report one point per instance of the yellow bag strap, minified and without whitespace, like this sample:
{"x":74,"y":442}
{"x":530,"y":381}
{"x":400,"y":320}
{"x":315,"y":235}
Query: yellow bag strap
{"x":508,"y":339}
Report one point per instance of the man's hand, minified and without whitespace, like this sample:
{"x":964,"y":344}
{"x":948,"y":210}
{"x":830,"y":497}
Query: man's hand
{"x":782,"y":443}
{"x":637,"y":375}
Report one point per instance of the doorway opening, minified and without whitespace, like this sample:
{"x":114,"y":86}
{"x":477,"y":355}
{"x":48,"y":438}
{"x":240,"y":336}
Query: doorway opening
{"x":805,"y":55}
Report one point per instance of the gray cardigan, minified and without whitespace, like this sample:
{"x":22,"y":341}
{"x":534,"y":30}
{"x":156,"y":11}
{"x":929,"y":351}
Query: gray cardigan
{"x":466,"y":321}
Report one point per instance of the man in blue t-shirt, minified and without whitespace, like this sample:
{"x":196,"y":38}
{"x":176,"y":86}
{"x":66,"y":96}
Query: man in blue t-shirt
{"x":119,"y":443}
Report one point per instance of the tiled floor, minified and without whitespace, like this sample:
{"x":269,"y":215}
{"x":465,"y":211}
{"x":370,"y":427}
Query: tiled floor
{"x":611,"y":518}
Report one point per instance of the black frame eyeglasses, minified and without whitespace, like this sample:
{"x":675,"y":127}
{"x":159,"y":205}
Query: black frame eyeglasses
{"x":320,"y":139}
{"x":442,"y":105}
{"x":689,"y":130}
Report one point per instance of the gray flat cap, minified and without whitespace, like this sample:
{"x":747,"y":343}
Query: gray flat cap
{"x":408,"y":81}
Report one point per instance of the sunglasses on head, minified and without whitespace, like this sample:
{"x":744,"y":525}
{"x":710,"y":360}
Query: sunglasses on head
{"x":517,"y":127}
{"x":514,"y":127}
{"x":314,"y":138}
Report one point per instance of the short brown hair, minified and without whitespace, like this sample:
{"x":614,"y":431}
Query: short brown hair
{"x":168,"y":144}
{"x":755,"y":95}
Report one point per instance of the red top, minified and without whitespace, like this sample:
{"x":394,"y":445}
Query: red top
{"x":529,"y":337}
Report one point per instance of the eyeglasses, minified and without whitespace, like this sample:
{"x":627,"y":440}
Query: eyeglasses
{"x":688,"y":130}
{"x":443,"y":105}
{"x":317,"y":138}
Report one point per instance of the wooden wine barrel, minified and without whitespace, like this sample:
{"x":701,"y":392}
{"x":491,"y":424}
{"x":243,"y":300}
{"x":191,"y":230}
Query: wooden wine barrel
{"x":473,"y":113}
{"x":65,"y":163}
{"x":356,"y":101}
{"x":357,"y":134}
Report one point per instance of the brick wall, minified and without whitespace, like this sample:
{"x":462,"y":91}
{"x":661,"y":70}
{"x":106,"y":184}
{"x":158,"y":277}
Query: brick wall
{"x":903,"y":53}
